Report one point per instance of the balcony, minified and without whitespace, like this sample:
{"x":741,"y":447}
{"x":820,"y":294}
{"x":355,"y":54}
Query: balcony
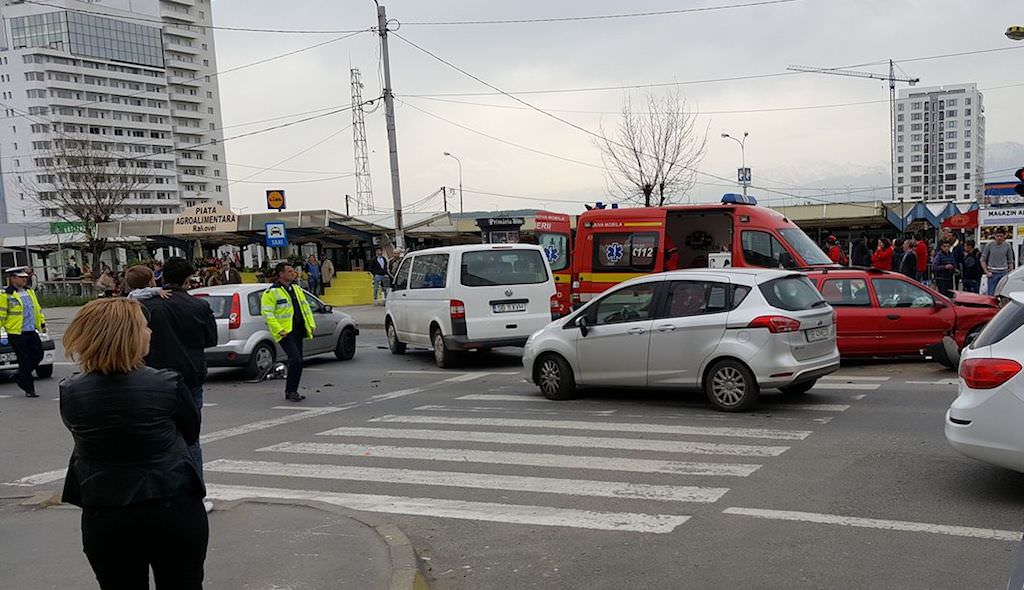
{"x":181,"y":64}
{"x":184,"y":30}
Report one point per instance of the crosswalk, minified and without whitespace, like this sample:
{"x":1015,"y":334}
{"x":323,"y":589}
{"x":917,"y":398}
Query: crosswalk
{"x":523,"y":460}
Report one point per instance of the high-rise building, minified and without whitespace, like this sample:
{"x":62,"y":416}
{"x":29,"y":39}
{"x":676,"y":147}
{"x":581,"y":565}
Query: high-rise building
{"x":134,"y":78}
{"x":940,"y":143}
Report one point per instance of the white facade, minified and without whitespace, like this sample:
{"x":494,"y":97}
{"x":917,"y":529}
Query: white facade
{"x":940,"y":143}
{"x":132,"y":83}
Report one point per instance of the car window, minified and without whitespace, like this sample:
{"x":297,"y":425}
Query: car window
{"x":620,"y":252}
{"x":429,"y":271}
{"x":690,"y":298}
{"x":846,"y":292}
{"x":519,"y":266}
{"x":625,"y":305}
{"x":256,"y":303}
{"x":804,"y":246}
{"x":1007,"y":321}
{"x":220,"y":304}
{"x":739,"y":293}
{"x":792,"y":293}
{"x":315,"y":304}
{"x":402,"y":276}
{"x":760,"y":248}
{"x":899,"y":293}
{"x":556,"y":249}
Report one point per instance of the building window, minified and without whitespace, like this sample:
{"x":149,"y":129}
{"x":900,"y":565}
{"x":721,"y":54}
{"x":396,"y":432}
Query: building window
{"x":951,"y":102}
{"x":967,"y":155}
{"x":915,"y":116}
{"x":916,"y":106}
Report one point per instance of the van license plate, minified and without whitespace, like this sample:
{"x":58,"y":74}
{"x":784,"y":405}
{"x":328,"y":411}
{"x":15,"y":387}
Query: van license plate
{"x":508,"y":307}
{"x":819,"y":334}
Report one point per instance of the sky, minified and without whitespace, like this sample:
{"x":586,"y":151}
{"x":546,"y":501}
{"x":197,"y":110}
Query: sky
{"x":791,"y":149}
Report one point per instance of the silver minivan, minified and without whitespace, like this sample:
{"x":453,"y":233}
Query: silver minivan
{"x":474,"y":297}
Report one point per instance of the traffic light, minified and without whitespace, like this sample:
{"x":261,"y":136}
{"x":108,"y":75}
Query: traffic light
{"x":1019,"y":189}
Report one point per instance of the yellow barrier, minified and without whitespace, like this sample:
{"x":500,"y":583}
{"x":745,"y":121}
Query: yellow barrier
{"x":349,"y":288}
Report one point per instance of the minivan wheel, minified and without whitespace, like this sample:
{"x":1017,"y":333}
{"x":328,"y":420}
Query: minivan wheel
{"x":799,"y":388}
{"x":394,"y":345}
{"x":443,"y":357}
{"x":261,"y":360}
{"x":554,"y":378}
{"x":346,"y":347}
{"x":730,"y":386}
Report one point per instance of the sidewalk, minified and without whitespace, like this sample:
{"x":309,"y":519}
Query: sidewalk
{"x":252,"y":545}
{"x":369,"y":317}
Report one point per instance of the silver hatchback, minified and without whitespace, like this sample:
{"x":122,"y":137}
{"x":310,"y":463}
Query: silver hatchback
{"x":729,"y":331}
{"x":244,"y":341}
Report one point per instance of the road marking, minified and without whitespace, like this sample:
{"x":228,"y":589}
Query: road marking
{"x":860,"y":397}
{"x":465,"y":510}
{"x":603,"y":426}
{"x":558,"y":440}
{"x":853,"y":378}
{"x":811,"y":407}
{"x":380,"y":397}
{"x":6,"y":396}
{"x":209,"y":405}
{"x":938,"y":382}
{"x":877,"y":523}
{"x":510,"y":458}
{"x":41,"y":478}
{"x":492,"y":409}
{"x":407,"y":372}
{"x":271,"y":423}
{"x":500,"y":397}
{"x":483,"y":481}
{"x":846,"y":386}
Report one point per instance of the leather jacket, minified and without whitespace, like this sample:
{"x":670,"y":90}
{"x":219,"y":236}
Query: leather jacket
{"x":131,"y":433}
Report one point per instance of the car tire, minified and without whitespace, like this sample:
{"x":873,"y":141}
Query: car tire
{"x":554,"y":377}
{"x":346,"y":347}
{"x":394,"y":344}
{"x":730,"y":386}
{"x":44,"y":371}
{"x":799,"y":388}
{"x":443,"y":358}
{"x":261,"y":360}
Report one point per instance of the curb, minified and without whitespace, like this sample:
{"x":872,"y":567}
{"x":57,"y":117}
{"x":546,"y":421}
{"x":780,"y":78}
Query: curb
{"x":406,"y":570}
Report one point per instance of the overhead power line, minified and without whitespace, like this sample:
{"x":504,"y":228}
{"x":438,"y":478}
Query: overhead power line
{"x":595,"y":17}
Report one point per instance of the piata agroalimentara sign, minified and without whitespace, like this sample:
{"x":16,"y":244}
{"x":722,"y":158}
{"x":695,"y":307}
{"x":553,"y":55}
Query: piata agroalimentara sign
{"x":205,"y":219}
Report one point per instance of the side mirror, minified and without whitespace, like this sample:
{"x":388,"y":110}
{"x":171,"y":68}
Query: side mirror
{"x":939,"y":304}
{"x":581,"y":323}
{"x":328,"y":309}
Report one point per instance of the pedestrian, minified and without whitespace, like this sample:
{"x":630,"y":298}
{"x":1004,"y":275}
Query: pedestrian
{"x":835,"y":252}
{"x":379,"y":269}
{"x":72,"y":271}
{"x":290,"y":321}
{"x":142,"y":284}
{"x":970,"y":268}
{"x":158,"y":272}
{"x":229,"y":273}
{"x":897,"y":253}
{"x":908,"y":263}
{"x":921,"y":256}
{"x":326,"y":270}
{"x":861,"y":254}
{"x":882,"y":258}
{"x":131,"y":471}
{"x":106,"y":284}
{"x":21,"y":321}
{"x":313,"y":270}
{"x":944,"y":268}
{"x":997,"y":261}
{"x":183,"y":326}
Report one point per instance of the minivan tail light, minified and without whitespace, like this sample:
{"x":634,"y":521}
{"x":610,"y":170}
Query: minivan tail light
{"x":982,"y":373}
{"x":458,"y":309}
{"x":776,"y":324}
{"x":556,"y":307}
{"x":235,"y":317}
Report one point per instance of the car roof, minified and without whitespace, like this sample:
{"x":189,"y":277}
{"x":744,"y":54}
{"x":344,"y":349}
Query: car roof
{"x":741,"y":276}
{"x":473,"y":248}
{"x":850,"y":272}
{"x":244,"y":288}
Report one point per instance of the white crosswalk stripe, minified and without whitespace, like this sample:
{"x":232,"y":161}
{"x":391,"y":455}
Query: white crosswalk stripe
{"x":839,"y":386}
{"x":834,"y":377}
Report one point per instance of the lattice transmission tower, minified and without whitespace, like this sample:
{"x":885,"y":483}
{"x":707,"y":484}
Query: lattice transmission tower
{"x":364,"y":186}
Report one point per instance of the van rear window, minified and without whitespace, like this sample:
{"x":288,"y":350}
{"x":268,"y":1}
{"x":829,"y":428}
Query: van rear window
{"x":485,"y":268}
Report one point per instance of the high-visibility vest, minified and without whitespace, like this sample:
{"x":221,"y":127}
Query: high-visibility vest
{"x":276,"y":308}
{"x":12,"y":311}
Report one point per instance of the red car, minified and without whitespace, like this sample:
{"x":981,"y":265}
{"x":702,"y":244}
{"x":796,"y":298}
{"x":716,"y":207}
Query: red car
{"x":881,"y":313}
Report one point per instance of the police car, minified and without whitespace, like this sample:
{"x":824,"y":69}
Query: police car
{"x":9,"y":362}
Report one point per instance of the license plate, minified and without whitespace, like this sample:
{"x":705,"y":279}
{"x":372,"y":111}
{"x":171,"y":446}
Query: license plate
{"x":508,"y":307}
{"x":7,"y":358}
{"x":818,"y":334}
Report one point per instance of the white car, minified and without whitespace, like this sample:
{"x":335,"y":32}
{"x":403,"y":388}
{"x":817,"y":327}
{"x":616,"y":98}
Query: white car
{"x":985,"y":420}
{"x":729,"y":331}
{"x":9,"y":360}
{"x":469,"y":298}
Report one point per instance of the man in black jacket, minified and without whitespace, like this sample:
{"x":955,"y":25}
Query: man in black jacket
{"x":908,"y":264}
{"x":861,"y":255}
{"x":183,"y":326}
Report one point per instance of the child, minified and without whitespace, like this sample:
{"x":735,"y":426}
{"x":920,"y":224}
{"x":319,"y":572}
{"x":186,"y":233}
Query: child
{"x":142,"y":283}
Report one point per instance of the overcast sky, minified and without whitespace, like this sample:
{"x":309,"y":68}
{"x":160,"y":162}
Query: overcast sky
{"x":799,"y":147}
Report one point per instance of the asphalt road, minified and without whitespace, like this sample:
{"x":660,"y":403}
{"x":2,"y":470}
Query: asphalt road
{"x":849,"y":486}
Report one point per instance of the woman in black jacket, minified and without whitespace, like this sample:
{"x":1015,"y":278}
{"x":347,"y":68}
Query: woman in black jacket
{"x":131,"y":470}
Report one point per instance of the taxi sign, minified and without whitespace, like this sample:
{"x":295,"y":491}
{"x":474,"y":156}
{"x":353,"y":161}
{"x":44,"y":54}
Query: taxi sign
{"x":275,"y":199}
{"x":277,"y":235}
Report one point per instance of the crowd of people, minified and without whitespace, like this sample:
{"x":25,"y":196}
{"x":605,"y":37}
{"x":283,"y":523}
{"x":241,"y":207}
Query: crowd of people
{"x":953,"y":263}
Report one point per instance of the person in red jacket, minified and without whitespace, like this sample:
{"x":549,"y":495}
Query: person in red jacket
{"x":835,"y":252}
{"x":881,"y":258}
{"x":921,"y":251}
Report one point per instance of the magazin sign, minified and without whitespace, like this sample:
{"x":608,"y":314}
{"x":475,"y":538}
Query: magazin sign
{"x":1001,"y":215}
{"x":205,"y":219}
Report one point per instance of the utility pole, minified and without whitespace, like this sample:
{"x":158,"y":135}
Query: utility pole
{"x":444,"y":197}
{"x":389,"y":117}
{"x":347,"y":198}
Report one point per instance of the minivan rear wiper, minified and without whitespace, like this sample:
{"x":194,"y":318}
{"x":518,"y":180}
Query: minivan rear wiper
{"x":819,"y":303}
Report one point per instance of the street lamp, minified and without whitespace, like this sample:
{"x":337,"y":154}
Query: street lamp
{"x":449,"y":154}
{"x":744,"y":178}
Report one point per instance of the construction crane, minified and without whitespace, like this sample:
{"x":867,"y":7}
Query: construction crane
{"x":892,"y":79}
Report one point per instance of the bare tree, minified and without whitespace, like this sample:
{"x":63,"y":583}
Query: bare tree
{"x":653,"y":155}
{"x":83,"y":182}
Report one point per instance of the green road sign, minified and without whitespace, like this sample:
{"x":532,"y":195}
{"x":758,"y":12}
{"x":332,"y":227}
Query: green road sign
{"x":67,"y":227}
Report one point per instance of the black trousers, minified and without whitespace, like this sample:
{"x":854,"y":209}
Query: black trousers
{"x":29,"y":350}
{"x":292,"y":346}
{"x":168,"y":535}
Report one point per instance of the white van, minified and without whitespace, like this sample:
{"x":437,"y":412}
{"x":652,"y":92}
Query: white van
{"x":469,"y":298}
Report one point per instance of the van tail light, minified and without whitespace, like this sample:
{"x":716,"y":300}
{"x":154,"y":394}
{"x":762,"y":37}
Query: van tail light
{"x":776,"y":324}
{"x":458,"y":309}
{"x":984,"y":373}
{"x":556,"y":307}
{"x":235,"y":317}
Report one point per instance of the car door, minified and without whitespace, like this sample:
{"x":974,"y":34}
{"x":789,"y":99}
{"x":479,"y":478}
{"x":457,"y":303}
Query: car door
{"x":398,"y":299}
{"x":858,"y":318}
{"x":326,"y":324}
{"x":911,"y":319}
{"x":689,"y":324}
{"x":614,"y":351}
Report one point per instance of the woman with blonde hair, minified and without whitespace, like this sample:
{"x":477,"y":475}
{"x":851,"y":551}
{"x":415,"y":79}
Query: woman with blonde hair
{"x":131,"y":471}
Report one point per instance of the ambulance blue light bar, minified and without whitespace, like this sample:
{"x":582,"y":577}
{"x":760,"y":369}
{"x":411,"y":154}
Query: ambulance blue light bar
{"x":735,"y":199}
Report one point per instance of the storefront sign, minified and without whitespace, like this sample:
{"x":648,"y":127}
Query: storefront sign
{"x":1001,"y":215}
{"x":205,"y":219}
{"x":67,"y":227}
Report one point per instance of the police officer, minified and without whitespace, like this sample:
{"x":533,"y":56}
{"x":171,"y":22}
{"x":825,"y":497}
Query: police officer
{"x":290,"y":321}
{"x":21,"y":319}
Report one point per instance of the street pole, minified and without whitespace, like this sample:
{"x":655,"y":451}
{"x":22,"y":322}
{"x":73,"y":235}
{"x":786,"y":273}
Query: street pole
{"x":444,"y":196}
{"x":389,"y":117}
{"x":450,"y":155}
{"x":743,"y":159}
